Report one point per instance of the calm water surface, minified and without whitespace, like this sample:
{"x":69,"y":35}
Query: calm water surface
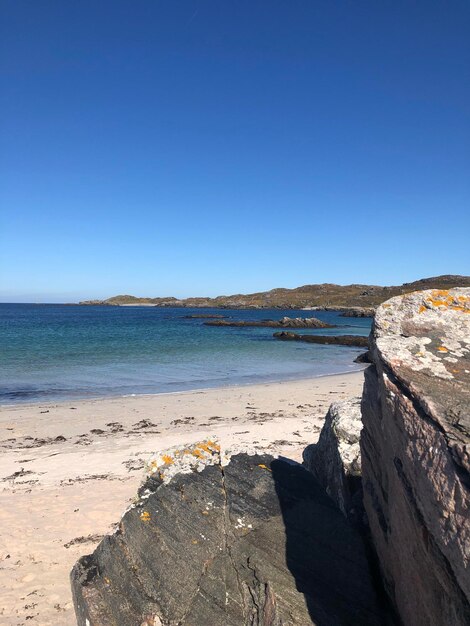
{"x":57,"y":352}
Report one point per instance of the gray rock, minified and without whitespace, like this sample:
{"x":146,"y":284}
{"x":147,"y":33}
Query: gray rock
{"x":358,"y":312}
{"x":415,"y":453}
{"x":285,"y":322}
{"x":339,"y":340}
{"x":335,"y":460}
{"x":254,"y":542}
{"x":363,"y":358}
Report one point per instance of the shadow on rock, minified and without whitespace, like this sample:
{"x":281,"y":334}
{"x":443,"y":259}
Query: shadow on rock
{"x":324,"y":554}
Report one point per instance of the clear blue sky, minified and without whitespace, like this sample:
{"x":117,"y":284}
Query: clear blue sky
{"x":171,"y":147}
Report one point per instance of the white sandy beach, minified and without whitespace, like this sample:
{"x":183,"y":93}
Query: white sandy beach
{"x":68,"y":470}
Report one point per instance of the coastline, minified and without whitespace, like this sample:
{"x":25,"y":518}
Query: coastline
{"x":69,"y":469}
{"x":223,"y":386}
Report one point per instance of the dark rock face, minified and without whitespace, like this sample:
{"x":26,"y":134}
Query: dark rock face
{"x":415,"y":453}
{"x":359,"y":312}
{"x":285,"y":322}
{"x":363,"y":358}
{"x":256,"y":542}
{"x":341,"y":340}
{"x":335,"y":460}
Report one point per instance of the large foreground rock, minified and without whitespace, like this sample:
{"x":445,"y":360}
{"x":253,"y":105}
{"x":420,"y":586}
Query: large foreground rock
{"x":335,"y":460}
{"x":415,"y":453}
{"x":254,"y":542}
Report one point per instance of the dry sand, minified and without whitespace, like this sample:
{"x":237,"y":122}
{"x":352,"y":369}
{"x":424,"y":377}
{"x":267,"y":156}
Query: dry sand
{"x":68,"y":470}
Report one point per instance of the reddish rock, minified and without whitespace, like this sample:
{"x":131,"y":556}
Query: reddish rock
{"x":415,"y":453}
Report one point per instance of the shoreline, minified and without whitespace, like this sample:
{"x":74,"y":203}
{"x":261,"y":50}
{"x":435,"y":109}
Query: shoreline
{"x":68,"y":470}
{"x":76,"y":399}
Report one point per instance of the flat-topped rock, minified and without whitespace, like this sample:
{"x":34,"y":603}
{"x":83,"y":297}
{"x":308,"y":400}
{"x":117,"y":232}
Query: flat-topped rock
{"x":246,"y":540}
{"x":338,"y":340}
{"x":358,"y":312}
{"x":415,"y":453}
{"x":285,"y":322}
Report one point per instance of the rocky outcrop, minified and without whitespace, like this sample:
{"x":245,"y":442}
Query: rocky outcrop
{"x":359,"y":312}
{"x":339,"y":340}
{"x":253,"y":541}
{"x":285,"y":322}
{"x":335,"y":460}
{"x":363,"y":358}
{"x":415,"y":453}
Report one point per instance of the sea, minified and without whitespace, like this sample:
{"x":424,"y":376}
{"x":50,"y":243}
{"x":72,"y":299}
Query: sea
{"x":62,"y":352}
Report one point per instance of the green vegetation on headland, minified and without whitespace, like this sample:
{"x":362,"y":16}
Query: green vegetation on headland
{"x":323,"y":296}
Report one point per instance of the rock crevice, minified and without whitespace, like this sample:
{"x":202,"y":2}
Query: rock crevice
{"x":250,"y":542}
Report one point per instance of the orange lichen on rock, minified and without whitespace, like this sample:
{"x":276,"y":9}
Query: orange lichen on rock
{"x":204,"y":448}
{"x":442,"y":298}
{"x":167,"y":459}
{"x":265,"y":467}
{"x":145,"y":516}
{"x":442,"y":349}
{"x":209,"y":446}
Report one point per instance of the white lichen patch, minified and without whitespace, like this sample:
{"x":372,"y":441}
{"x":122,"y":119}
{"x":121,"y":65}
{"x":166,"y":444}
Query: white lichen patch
{"x":404,"y":325}
{"x":184,"y":459}
{"x":241,"y":523}
{"x":243,"y":448}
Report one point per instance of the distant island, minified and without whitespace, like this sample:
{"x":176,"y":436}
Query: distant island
{"x":323,"y":296}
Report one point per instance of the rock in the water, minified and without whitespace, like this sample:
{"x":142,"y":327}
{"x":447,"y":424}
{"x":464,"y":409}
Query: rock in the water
{"x":415,"y":453}
{"x":358,"y":312}
{"x":285,"y":322}
{"x":339,"y":340}
{"x":363,"y":358}
{"x":253,"y":542}
{"x":335,"y":460}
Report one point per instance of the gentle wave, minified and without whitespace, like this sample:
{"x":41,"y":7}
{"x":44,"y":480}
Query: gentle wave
{"x":60,"y":352}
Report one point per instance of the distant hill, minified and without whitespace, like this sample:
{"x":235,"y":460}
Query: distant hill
{"x":322,"y":296}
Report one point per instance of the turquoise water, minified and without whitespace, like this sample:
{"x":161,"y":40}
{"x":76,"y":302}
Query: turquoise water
{"x":58,"y":352}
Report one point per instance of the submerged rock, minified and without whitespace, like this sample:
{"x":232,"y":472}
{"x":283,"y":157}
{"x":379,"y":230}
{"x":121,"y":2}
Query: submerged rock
{"x":335,"y":460}
{"x":252,"y":542}
{"x":341,"y":340}
{"x":285,"y":322}
{"x":416,"y":456}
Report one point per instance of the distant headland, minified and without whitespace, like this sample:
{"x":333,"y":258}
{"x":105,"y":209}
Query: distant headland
{"x":322,"y":296}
